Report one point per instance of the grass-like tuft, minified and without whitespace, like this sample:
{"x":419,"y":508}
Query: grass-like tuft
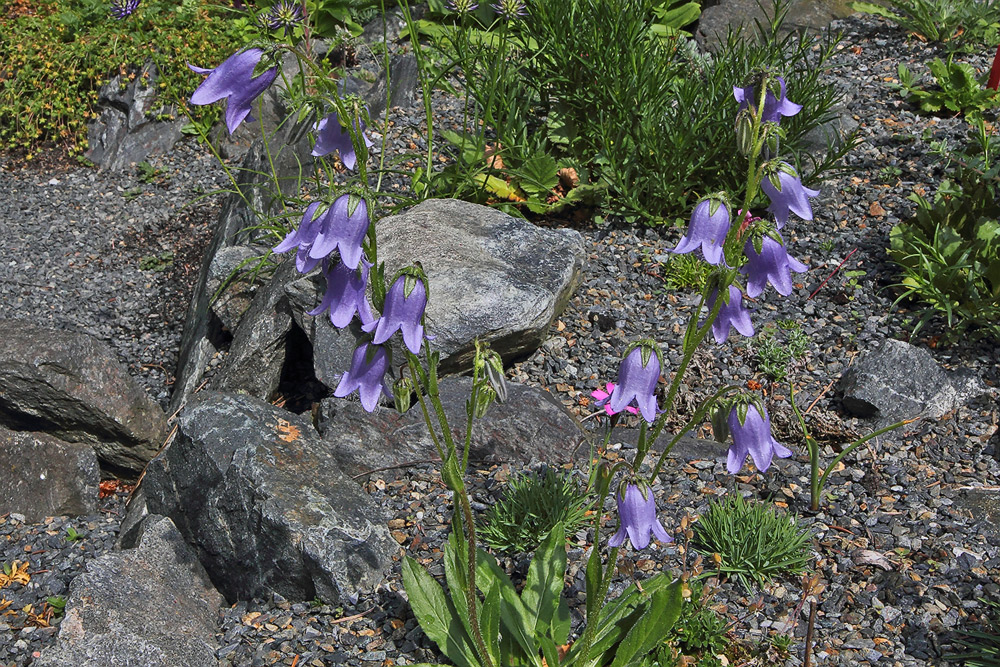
{"x":532,"y":504}
{"x":753,"y":541}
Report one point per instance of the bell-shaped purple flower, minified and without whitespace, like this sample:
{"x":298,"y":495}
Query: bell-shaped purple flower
{"x":342,"y":230}
{"x":331,"y":136}
{"x":303,"y":239}
{"x":345,"y":294}
{"x":234,"y":79}
{"x":773,"y":265}
{"x":782,"y":186}
{"x":367,"y":376}
{"x":637,"y":382}
{"x":637,"y":514}
{"x":731,"y":314}
{"x":774,"y":107}
{"x":752,"y":436}
{"x":404,"y":311}
{"x":707,"y":230}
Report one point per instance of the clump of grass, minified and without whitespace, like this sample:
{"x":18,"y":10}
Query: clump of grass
{"x":531,"y":505}
{"x":754,"y":542}
{"x":981,"y":648}
{"x":686,"y":271}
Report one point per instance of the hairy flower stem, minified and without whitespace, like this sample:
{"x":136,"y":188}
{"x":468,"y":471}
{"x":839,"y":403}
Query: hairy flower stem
{"x":470,"y":591}
{"x":592,"y":623}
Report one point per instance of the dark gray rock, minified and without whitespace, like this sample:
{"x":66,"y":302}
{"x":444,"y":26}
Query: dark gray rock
{"x":257,"y":353}
{"x":42,"y":476}
{"x":264,"y":503}
{"x":152,"y":606}
{"x":124,"y":134}
{"x":403,"y":79}
{"x":530,"y":426}
{"x":70,"y":385}
{"x":203,"y":336}
{"x":716,"y":21}
{"x":899,"y":381}
{"x":237,"y":288}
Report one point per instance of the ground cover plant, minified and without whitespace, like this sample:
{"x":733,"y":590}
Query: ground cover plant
{"x":56,"y":54}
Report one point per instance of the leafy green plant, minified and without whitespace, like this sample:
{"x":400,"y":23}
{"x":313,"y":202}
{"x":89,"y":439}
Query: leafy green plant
{"x":54,"y":61}
{"x":58,"y":604}
{"x":685,"y":271}
{"x":149,"y":174}
{"x":949,"y":252}
{"x":72,"y":535}
{"x":527,"y":628}
{"x":532,"y":504}
{"x":981,"y":648}
{"x":753,"y":541}
{"x":774,"y":357}
{"x":958,"y":25}
{"x":958,"y":88}
{"x":700,"y":629}
{"x":157,"y":263}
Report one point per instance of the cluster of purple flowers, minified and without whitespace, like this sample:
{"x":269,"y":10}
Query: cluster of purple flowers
{"x":767,"y":261}
{"x":332,"y":236}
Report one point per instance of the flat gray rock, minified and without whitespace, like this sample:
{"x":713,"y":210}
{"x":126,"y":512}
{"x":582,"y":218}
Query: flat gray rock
{"x":43,"y":476}
{"x":264,"y":503}
{"x":716,"y":21}
{"x":152,"y":606}
{"x":71,"y":386}
{"x":530,"y":426}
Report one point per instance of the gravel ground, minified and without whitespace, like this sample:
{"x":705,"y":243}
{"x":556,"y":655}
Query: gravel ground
{"x":913,"y":499}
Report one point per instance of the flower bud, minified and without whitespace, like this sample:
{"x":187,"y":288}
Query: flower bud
{"x":744,"y":131}
{"x":402,"y":393}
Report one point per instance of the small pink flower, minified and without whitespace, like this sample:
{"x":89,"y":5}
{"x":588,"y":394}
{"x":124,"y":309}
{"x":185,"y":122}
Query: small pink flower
{"x":603,"y":396}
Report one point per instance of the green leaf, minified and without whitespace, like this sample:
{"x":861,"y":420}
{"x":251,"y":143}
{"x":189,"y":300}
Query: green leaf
{"x":457,"y":577}
{"x":436,"y":615}
{"x":538,"y":174}
{"x":489,"y":623}
{"x":544,"y":586}
{"x":513,"y":614}
{"x":877,"y":10}
{"x":664,"y":610}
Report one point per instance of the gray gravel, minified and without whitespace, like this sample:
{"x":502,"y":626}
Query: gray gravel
{"x":71,"y":258}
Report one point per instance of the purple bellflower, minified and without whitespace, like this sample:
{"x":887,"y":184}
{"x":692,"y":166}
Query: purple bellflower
{"x":637,"y":514}
{"x":345,"y":294}
{"x":774,"y":107}
{"x":331,"y":136}
{"x":122,"y":9}
{"x":782,"y":186}
{"x":773,"y":265}
{"x":339,"y":229}
{"x":404,"y":311}
{"x":731,"y":314}
{"x":708,"y":229}
{"x":752,"y":436}
{"x":366,"y":376}
{"x":637,"y":377}
{"x":234,"y":79}
{"x":303,"y":239}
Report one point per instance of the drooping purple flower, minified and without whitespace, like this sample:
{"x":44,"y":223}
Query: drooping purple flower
{"x":708,"y":229}
{"x":774,"y":107}
{"x":122,"y":9}
{"x":234,"y":79}
{"x":367,"y":376}
{"x":773,"y":265}
{"x":284,"y":14}
{"x":637,"y":514}
{"x":752,"y":436}
{"x":331,"y":136}
{"x":730,"y":314}
{"x":345,"y":293}
{"x":404,"y":311}
{"x":303,"y":239}
{"x":637,"y":377}
{"x":782,"y":186}
{"x":342,"y":230}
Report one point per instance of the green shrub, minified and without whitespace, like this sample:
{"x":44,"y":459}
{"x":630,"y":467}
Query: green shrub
{"x":949,"y":252}
{"x":959,"y":25}
{"x":753,"y":541}
{"x":774,"y":357}
{"x":531,"y":506}
{"x":55,"y":56}
{"x":958,"y":89}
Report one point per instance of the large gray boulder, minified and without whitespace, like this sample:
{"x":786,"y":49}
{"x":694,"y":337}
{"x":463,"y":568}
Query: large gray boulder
{"x":736,"y":15}
{"x":42,"y":476}
{"x":71,"y":386}
{"x":264,"y":503}
{"x":898,"y":381}
{"x":530,"y":426}
{"x":152,"y":606}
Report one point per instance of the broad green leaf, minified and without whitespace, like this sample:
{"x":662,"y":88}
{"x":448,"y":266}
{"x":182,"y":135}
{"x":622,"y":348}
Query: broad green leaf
{"x":436,"y":615}
{"x":664,"y":610}
{"x":544,"y":586}
{"x":513,"y":614}
{"x":489,"y":622}
{"x":877,"y":10}
{"x":457,"y":577}
{"x":538,"y":174}
{"x":497,"y":186}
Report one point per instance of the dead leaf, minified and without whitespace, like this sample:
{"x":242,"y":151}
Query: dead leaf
{"x":18,"y":574}
{"x":868,"y":557}
{"x":287,"y":432}
{"x":876,"y":210}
